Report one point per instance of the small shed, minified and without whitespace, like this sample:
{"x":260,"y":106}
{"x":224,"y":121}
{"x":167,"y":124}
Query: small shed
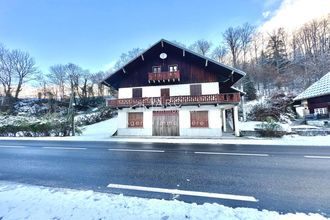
{"x":315,"y":100}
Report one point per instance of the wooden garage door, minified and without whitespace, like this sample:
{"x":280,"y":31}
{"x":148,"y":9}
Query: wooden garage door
{"x":165,"y":123}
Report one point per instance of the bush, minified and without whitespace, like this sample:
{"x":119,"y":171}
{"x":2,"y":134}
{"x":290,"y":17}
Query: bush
{"x":47,"y":126}
{"x":102,"y":114}
{"x":279,"y":108}
{"x":270,"y":128}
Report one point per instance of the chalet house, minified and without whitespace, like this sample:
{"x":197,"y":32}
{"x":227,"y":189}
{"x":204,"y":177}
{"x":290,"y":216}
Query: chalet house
{"x":315,"y":100}
{"x":169,"y":90}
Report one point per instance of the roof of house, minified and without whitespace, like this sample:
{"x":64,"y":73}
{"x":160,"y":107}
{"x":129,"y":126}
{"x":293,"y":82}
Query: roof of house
{"x":319,"y":88}
{"x":235,"y":72}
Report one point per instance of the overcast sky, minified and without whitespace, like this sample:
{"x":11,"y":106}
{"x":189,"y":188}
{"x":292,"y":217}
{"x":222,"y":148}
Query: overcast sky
{"x":93,"y":33}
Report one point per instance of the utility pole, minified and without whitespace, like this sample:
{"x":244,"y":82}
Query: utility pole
{"x":71,"y":114}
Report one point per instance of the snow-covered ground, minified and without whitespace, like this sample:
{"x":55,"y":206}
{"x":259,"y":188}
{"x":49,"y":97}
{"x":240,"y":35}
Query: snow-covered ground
{"x":98,"y":131}
{"x":251,"y":125}
{"x":20,"y":201}
{"x":103,"y":131}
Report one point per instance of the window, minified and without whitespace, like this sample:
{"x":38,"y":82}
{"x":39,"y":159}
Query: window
{"x":165,"y":92}
{"x":321,"y":111}
{"x":196,"y":89}
{"x":199,"y":119}
{"x":135,"y":119}
{"x":156,"y":69}
{"x":173,"y":68}
{"x":137,"y":93}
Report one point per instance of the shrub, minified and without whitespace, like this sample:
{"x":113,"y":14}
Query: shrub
{"x":47,"y":126}
{"x":270,"y":128}
{"x":279,"y":107}
{"x":102,"y":114}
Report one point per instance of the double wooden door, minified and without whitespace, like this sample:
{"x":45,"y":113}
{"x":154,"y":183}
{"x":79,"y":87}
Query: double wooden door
{"x":165,"y":123}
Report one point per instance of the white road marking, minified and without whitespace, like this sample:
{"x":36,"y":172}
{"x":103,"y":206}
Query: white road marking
{"x":13,"y":146}
{"x":65,"y":148}
{"x":136,"y":150}
{"x":185,"y":192}
{"x":232,"y":154}
{"x":318,"y":157}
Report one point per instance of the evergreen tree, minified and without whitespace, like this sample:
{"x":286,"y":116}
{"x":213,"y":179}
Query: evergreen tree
{"x":251,"y":93}
{"x":276,"y":52}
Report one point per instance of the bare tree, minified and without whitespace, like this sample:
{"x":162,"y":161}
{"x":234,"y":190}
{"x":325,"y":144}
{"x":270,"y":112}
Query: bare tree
{"x":57,"y":75}
{"x":73,"y":73}
{"x":233,"y":42}
{"x":219,"y":53}
{"x":246,"y":34}
{"x":126,"y":57}
{"x":96,"y":80}
{"x":202,"y":47}
{"x":24,"y":68}
{"x":85,"y":77}
{"x":6,"y":71}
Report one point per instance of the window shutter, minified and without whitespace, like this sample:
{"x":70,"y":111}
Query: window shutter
{"x":135,"y":119}
{"x":196,"y":90}
{"x":199,"y":119}
{"x":137,"y":93}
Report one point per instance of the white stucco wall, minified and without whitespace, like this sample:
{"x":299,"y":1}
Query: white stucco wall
{"x":123,"y":129}
{"x":214,"y":129}
{"x":124,"y":93}
{"x":175,"y":90}
{"x":215,"y":123}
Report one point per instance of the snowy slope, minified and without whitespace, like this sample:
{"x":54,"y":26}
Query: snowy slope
{"x":98,"y":131}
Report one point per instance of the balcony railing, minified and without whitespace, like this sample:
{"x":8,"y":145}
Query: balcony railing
{"x":164,"y":77}
{"x":175,"y":100}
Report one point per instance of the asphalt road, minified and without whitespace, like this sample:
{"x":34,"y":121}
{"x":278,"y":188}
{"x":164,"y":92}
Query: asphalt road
{"x":280,"y":178}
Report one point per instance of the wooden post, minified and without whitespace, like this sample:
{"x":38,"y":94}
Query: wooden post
{"x":224,"y":124}
{"x":236,"y":126}
{"x":71,"y":114}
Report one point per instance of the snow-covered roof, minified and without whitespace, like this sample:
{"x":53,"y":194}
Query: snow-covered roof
{"x":319,"y":88}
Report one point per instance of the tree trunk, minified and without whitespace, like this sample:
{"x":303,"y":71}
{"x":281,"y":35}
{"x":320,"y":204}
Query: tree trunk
{"x":19,"y":87}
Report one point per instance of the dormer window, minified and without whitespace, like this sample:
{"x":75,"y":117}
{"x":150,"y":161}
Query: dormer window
{"x":156,"y":69}
{"x":173,"y":68}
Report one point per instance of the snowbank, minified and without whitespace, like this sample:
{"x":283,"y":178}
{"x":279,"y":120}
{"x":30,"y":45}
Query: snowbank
{"x":19,"y":201}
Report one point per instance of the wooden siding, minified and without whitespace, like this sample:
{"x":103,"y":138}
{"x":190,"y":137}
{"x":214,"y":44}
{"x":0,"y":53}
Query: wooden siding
{"x":165,"y":123}
{"x":190,"y":70}
{"x":319,"y":102}
{"x":135,"y":119}
{"x":199,"y":119}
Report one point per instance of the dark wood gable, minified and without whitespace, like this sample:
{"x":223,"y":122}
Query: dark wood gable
{"x":179,"y":67}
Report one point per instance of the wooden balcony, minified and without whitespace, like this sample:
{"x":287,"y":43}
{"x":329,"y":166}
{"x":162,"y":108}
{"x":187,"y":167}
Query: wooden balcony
{"x":175,"y":100}
{"x":164,"y":77}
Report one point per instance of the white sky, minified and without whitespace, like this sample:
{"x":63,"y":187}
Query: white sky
{"x":293,"y":13}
